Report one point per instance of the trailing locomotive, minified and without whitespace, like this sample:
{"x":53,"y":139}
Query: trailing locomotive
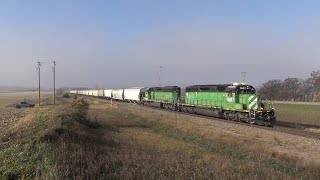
{"x":163,"y":97}
{"x":237,"y":102}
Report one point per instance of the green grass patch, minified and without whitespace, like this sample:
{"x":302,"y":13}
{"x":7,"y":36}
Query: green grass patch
{"x":25,"y":155}
{"x":52,"y":146}
{"x":298,"y":113}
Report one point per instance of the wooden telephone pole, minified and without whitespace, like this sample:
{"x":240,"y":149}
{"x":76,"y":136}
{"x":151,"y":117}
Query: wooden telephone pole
{"x":54,"y":82}
{"x":38,"y":69}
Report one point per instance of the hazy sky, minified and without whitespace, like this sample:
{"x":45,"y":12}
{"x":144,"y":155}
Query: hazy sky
{"x":122,"y":43}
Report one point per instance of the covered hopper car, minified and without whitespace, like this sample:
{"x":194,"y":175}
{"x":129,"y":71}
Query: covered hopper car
{"x":108,"y":93}
{"x":132,"y":94}
{"x":117,"y":94}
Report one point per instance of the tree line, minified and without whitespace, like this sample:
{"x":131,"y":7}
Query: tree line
{"x":292,"y":89}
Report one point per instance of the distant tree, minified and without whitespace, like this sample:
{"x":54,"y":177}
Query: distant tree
{"x":271,"y":89}
{"x":290,"y":89}
{"x":315,"y":78}
{"x":307,"y":90}
{"x":293,"y":89}
{"x":60,"y":91}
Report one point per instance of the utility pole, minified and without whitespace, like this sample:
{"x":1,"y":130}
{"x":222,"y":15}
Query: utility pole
{"x":243,"y":76}
{"x":38,"y":68}
{"x":160,"y":67}
{"x":54,"y":82}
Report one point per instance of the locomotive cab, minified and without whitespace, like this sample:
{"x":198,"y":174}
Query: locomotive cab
{"x":246,"y":95}
{"x":245,"y":89}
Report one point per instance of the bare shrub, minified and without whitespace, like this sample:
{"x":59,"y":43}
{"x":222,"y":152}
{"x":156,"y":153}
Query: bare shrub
{"x":66,"y":95}
{"x":60,"y":92}
{"x":81,"y":107}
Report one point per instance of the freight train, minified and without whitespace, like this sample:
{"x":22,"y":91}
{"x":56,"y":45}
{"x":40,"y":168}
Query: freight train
{"x":234,"y":101}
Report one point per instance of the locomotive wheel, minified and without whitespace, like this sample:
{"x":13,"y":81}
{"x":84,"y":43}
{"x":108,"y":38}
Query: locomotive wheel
{"x":226,"y":116}
{"x":229,"y":117}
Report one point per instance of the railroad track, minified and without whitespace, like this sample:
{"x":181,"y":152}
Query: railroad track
{"x":288,"y":130}
{"x":293,"y":131}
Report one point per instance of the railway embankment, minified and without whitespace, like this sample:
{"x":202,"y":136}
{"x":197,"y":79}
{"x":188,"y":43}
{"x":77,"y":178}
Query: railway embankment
{"x":126,"y":141}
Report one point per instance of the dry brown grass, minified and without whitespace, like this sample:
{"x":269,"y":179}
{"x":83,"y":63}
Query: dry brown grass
{"x":115,"y":143}
{"x":258,"y":140}
{"x":315,"y":130}
{"x":170,"y":136}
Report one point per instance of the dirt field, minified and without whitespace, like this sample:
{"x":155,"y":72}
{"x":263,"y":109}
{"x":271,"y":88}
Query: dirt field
{"x":9,"y":114}
{"x":7,"y":99}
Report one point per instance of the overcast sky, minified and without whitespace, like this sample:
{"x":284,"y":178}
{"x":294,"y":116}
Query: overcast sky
{"x":122,"y":43}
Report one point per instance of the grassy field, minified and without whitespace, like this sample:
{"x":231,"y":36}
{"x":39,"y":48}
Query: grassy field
{"x":298,"y":113}
{"x":113,"y":143}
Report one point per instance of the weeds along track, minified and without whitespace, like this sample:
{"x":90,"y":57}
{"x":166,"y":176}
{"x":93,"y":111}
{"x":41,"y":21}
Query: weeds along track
{"x":287,"y":130}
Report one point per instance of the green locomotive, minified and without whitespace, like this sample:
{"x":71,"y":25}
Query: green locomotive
{"x":238,"y":102}
{"x":164,"y":97}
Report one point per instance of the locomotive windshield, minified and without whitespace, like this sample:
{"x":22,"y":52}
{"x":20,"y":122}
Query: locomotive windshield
{"x":245,"y":90}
